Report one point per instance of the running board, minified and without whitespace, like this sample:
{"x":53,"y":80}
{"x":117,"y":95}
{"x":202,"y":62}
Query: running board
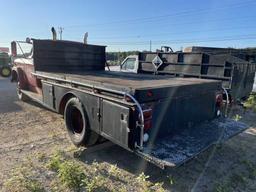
{"x":34,"y":96}
{"x":177,"y":149}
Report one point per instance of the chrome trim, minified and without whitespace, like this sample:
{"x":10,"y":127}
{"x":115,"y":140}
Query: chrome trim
{"x":227,"y":101}
{"x":141,"y":117}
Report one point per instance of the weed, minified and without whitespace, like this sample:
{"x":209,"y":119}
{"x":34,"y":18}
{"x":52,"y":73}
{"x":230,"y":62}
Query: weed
{"x":92,"y":185}
{"x":142,"y":177}
{"x":71,"y":174}
{"x":171,"y":179}
{"x":158,"y":187}
{"x":250,"y":103}
{"x":113,"y":170}
{"x":33,"y":186}
{"x":222,"y":188}
{"x":237,"y":179}
{"x":55,"y":162}
{"x":251,"y":168}
{"x":237,"y":117}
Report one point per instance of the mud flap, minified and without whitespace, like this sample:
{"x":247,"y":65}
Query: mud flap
{"x":177,"y":149}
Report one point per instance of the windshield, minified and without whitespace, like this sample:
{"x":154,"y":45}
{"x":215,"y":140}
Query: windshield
{"x":24,"y":49}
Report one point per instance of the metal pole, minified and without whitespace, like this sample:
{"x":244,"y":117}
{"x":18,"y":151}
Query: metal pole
{"x":60,"y":32}
{"x":150,"y":45}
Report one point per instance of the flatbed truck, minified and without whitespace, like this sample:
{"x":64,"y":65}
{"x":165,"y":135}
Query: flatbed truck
{"x":165,"y":120}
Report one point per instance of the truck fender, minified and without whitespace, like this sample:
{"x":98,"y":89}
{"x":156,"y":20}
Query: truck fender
{"x":64,"y":101}
{"x":14,"y":74}
{"x":17,"y":76}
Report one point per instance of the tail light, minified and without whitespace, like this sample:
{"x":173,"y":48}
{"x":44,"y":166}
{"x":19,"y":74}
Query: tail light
{"x":219,"y":100}
{"x":147,"y":124}
{"x":147,"y":119}
{"x":150,"y":93}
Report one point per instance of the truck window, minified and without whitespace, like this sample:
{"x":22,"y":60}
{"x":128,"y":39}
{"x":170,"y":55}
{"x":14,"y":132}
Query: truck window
{"x":129,"y":64}
{"x":24,"y":49}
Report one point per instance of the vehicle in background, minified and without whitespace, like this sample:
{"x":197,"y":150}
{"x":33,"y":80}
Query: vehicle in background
{"x":165,"y":120}
{"x":237,"y":75}
{"x":5,"y":68}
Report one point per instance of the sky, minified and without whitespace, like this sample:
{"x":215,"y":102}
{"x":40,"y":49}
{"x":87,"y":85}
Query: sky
{"x":132,"y":25}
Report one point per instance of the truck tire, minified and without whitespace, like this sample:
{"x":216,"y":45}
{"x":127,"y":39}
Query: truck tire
{"x":78,"y":125}
{"x":5,"y":71}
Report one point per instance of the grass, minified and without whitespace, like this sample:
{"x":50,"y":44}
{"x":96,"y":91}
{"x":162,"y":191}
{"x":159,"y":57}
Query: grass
{"x":222,"y":188}
{"x":239,"y":179}
{"x":251,"y":168}
{"x":54,"y":162}
{"x":21,"y":180}
{"x":61,"y":172}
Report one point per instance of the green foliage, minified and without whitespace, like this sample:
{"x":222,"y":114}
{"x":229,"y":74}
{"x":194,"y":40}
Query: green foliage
{"x":142,"y":177}
{"x":71,"y":174}
{"x":94,"y":183}
{"x":113,"y":170}
{"x":54,"y":162}
{"x":237,"y":117}
{"x":33,"y":186}
{"x":171,"y":179}
{"x":222,"y":188}
{"x":250,"y":103}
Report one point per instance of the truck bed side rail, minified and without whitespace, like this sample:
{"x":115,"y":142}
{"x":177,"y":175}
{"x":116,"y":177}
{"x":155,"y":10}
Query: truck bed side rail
{"x":126,"y":96}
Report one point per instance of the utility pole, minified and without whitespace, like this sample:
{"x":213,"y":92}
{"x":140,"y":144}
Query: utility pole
{"x":60,"y":32}
{"x":150,"y":45}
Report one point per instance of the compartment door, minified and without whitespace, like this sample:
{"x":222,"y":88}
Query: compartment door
{"x":115,"y":123}
{"x":48,"y":95}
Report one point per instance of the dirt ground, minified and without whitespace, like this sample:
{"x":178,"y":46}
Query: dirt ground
{"x":27,"y":129}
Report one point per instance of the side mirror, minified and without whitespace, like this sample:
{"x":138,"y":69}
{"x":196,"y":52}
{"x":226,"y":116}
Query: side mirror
{"x":14,"y":48}
{"x":28,"y":40}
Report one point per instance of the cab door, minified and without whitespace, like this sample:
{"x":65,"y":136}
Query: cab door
{"x":25,"y":66}
{"x":130,"y":64}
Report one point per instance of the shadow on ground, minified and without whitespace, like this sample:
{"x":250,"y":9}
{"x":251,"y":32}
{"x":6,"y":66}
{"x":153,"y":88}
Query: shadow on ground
{"x":203,"y":173}
{"x":8,"y":98}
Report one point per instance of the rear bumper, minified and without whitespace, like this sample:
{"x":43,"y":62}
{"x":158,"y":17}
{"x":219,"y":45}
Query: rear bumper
{"x":174,"y":150}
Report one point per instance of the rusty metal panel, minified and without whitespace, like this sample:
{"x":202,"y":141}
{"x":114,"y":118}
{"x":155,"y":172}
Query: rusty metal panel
{"x":67,"y":56}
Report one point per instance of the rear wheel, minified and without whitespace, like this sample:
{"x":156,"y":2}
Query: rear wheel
{"x":5,"y":71}
{"x":78,"y":125}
